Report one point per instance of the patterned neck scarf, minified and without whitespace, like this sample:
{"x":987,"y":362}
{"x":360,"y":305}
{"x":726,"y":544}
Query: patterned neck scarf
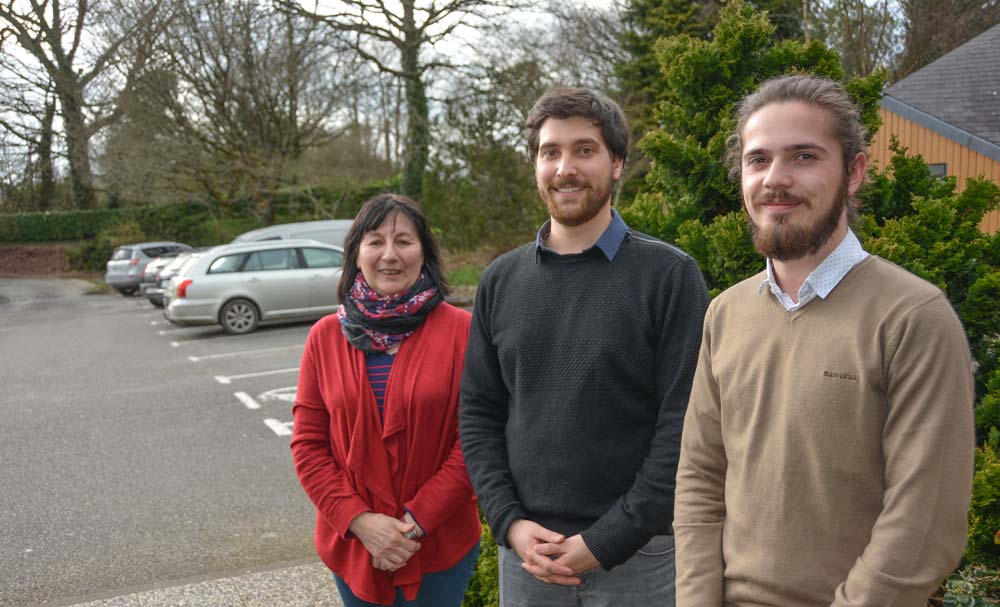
{"x":377,"y":323}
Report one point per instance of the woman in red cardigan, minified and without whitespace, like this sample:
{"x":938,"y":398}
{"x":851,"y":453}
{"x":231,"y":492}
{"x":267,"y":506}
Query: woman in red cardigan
{"x":375,"y":439}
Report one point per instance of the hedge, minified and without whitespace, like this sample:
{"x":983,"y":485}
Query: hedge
{"x":189,"y":222}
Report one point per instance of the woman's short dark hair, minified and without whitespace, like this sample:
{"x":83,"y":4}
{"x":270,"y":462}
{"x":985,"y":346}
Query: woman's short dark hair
{"x":373,"y":214}
{"x":563,"y":103}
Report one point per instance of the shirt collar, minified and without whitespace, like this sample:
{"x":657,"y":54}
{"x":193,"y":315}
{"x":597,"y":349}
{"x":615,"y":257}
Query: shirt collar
{"x":609,"y":242}
{"x":827,"y":275}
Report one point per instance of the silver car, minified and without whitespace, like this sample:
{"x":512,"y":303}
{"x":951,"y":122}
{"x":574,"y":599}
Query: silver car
{"x":241,"y":285}
{"x":124,"y":269}
{"x":148,"y":280}
{"x":330,"y":231}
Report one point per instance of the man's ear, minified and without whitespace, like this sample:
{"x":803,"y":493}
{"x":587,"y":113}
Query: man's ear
{"x":856,"y":173}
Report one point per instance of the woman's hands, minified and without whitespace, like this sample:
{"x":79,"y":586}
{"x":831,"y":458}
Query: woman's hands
{"x":383,"y":537}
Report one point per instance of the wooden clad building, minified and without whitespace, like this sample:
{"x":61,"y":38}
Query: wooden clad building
{"x":949,"y":113}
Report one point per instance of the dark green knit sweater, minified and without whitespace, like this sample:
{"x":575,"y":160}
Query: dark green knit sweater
{"x":576,"y":381}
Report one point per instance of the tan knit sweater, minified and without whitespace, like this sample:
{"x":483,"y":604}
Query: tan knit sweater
{"x":827,"y":452}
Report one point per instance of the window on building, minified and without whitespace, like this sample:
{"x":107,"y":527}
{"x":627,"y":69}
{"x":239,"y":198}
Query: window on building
{"x":939,"y":169}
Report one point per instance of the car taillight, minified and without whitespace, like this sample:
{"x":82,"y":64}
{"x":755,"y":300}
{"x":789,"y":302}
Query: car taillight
{"x":133,"y":262}
{"x":183,"y":287}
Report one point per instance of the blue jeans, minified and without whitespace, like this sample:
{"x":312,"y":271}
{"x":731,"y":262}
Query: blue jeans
{"x":442,"y":589}
{"x":645,"y":579}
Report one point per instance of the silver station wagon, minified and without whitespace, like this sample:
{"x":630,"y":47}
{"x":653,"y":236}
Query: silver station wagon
{"x":242,"y":285}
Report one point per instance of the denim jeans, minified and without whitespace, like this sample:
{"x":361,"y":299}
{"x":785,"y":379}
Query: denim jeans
{"x":645,"y":579}
{"x":442,"y":589}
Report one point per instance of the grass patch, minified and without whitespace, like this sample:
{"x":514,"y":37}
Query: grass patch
{"x":466,"y":276}
{"x":99,"y":287}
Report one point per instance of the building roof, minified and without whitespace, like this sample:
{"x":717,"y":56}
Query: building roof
{"x":957,"y":96}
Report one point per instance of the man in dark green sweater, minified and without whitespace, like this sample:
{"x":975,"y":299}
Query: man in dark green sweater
{"x":577,"y":376}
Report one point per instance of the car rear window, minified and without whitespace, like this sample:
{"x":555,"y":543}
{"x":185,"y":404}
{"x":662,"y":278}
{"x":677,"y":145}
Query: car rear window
{"x":226,"y":264}
{"x":156,"y":251}
{"x":322,"y":258}
{"x":121,"y":253}
{"x":277,"y":259}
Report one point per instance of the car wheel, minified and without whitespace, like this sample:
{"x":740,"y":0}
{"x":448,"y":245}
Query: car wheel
{"x":127,"y":291}
{"x":156,"y":302}
{"x":238,"y":316}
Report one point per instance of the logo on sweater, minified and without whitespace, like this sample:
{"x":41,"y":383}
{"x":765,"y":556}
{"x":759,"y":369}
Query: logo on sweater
{"x":840,"y":375}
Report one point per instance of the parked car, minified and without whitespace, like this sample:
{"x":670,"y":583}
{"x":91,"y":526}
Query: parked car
{"x":155,"y":281}
{"x":242,"y":285}
{"x":124,"y":269}
{"x":181,"y":263}
{"x":148,"y":279}
{"x":330,"y":231}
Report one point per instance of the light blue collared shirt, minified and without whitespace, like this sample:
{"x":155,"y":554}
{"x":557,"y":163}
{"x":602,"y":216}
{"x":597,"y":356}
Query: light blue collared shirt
{"x":824,"y":277}
{"x":609,"y":242}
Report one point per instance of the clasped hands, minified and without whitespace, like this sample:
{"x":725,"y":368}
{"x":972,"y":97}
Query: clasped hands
{"x":549,"y":556}
{"x":383,"y":537}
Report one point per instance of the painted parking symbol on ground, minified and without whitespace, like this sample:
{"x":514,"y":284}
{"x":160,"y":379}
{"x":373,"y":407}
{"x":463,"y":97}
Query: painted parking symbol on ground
{"x":284,"y":395}
{"x":280,"y":428}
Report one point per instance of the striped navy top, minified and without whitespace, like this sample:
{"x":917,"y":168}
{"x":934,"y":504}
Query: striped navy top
{"x":379,"y":364}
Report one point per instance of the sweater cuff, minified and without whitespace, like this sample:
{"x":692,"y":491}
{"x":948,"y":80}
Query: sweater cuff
{"x":501,"y":525}
{"x":416,"y":521}
{"x":608,"y":545}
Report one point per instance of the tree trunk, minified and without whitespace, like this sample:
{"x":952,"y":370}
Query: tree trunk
{"x":77,"y":149}
{"x":417,"y":119}
{"x":46,"y":174}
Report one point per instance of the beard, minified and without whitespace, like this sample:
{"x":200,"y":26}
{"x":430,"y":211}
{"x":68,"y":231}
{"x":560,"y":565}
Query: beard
{"x":783,"y":240}
{"x":579,"y":212}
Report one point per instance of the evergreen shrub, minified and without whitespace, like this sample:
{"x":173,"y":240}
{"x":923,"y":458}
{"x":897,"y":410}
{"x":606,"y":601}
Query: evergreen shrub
{"x":484,"y":589}
{"x":93,"y":255}
{"x":984,"y":514}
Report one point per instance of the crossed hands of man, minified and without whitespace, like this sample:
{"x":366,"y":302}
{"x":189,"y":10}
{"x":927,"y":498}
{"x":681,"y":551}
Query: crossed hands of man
{"x":383,"y":537}
{"x":549,"y":556}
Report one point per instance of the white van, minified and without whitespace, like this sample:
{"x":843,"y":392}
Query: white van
{"x":329,"y":231}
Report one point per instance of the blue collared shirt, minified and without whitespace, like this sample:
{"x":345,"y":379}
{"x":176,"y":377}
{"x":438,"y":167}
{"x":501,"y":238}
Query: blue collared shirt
{"x":609,"y":242}
{"x":824,"y":277}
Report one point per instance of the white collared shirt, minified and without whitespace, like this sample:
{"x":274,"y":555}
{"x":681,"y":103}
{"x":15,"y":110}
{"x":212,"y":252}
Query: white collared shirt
{"x":824,"y":277}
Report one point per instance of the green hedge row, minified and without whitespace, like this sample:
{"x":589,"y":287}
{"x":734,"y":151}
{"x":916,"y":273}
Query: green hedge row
{"x":170,"y":221}
{"x":190,"y":222}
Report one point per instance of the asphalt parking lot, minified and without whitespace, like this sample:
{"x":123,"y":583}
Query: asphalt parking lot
{"x":146,"y":464}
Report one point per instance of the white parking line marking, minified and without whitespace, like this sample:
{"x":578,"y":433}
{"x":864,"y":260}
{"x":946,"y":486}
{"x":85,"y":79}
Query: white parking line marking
{"x":166,"y":331}
{"x":175,"y":344}
{"x":280,"y":428}
{"x":227,"y":379}
{"x":195,"y":359}
{"x":154,"y":322}
{"x":247,"y":400}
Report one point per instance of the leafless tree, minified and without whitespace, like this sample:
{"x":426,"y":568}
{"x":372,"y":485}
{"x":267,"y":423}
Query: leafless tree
{"x":864,"y":32}
{"x":412,"y":27}
{"x":935,"y":27}
{"x":79,"y":46}
{"x":239,"y":92}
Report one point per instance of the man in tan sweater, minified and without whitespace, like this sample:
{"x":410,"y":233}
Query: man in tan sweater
{"x":827,"y":449}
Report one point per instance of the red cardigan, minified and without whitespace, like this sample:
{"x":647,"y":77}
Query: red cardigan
{"x":350,"y":462}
